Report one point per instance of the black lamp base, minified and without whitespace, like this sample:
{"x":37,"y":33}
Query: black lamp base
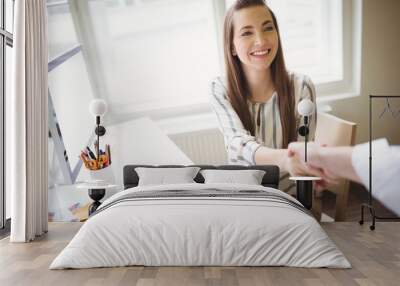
{"x":304,"y":193}
{"x":96,"y":195}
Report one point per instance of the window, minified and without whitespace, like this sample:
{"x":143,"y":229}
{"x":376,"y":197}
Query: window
{"x":311,"y":35}
{"x":154,"y":55}
{"x":321,"y":38}
{"x":6,"y":43}
{"x":311,"y":32}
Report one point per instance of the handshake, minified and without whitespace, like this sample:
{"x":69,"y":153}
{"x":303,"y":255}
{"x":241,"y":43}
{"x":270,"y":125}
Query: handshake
{"x":329,"y":163}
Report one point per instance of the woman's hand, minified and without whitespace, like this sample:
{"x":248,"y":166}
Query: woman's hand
{"x":294,"y":166}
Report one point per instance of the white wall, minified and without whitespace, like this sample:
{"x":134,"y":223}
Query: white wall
{"x":380,"y":70}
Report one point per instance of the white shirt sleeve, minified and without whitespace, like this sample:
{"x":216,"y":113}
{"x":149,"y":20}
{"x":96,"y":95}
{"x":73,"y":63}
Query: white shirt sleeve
{"x":241,"y":146}
{"x":385,"y":171}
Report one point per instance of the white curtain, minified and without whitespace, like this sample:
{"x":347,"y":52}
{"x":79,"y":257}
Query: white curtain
{"x":28,"y":122}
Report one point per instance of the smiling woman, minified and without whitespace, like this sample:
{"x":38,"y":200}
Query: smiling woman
{"x":255,"y":104}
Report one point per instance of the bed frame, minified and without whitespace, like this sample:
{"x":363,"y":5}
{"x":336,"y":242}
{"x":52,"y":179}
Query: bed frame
{"x":270,"y":179}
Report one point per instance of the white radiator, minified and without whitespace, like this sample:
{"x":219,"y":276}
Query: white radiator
{"x":207,"y":147}
{"x":202,"y":147}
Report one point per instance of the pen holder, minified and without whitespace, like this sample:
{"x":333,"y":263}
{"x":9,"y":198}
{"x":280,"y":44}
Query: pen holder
{"x":95,"y":165}
{"x":98,"y":161}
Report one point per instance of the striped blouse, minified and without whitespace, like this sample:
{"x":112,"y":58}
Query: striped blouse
{"x":241,"y":146}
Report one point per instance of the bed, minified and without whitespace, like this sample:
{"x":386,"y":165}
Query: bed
{"x":201,"y":224}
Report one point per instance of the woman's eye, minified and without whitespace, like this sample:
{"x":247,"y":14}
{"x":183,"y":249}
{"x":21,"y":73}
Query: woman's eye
{"x":269,"y":28}
{"x":246,"y":34}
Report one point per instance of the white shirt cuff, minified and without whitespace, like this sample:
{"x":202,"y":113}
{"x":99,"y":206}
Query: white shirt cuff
{"x":360,"y":158}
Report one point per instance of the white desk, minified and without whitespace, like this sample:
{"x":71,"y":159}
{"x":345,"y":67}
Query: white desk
{"x":138,"y":141}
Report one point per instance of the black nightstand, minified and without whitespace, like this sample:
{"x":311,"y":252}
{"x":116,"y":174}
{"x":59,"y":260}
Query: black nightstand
{"x":96,"y":192}
{"x":304,"y":190}
{"x":96,"y":195}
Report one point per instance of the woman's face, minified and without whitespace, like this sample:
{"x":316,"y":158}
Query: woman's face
{"x":255,"y":38}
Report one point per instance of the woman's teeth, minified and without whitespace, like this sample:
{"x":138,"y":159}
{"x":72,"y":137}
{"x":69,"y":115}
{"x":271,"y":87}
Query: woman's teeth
{"x":261,"y":53}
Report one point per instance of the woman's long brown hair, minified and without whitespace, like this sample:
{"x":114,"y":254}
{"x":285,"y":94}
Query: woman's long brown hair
{"x":238,"y":91}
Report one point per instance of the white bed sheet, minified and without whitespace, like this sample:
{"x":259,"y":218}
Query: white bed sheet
{"x":200,"y":231}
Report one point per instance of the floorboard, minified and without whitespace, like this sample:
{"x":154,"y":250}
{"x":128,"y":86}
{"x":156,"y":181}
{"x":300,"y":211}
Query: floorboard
{"x":357,"y":196}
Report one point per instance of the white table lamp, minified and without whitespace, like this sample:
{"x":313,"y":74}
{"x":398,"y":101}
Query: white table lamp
{"x":304,"y":186}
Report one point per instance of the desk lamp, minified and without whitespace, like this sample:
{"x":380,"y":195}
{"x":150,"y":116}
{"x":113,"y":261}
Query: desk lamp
{"x":304,"y":185}
{"x":98,"y":107}
{"x":305,"y":109}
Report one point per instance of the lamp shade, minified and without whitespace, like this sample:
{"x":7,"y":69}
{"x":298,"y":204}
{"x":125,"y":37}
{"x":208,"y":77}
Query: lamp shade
{"x":98,"y":107}
{"x":306,"y":107}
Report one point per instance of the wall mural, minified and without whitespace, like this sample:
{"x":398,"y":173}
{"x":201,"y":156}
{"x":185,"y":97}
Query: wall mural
{"x":153,"y":64}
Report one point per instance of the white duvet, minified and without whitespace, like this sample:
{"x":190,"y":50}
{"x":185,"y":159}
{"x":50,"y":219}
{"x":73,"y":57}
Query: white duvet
{"x":200,"y":231}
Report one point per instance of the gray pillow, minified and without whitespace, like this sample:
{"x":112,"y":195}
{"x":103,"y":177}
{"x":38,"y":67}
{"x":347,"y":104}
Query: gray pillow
{"x":248,"y":177}
{"x":162,"y":176}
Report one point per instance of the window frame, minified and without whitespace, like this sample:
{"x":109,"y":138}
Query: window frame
{"x":69,"y":173}
{"x":350,"y":85}
{"x":6,"y":39}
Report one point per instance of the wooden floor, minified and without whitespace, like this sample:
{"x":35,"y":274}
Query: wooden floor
{"x":357,"y":196}
{"x":374,"y":255}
